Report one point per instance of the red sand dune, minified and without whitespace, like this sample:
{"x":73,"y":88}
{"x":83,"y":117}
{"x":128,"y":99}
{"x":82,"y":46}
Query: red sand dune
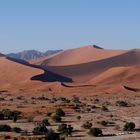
{"x":12,"y":73}
{"x":128,"y":75}
{"x":85,"y":66}
{"x":87,"y":71}
{"x":77,"y":56}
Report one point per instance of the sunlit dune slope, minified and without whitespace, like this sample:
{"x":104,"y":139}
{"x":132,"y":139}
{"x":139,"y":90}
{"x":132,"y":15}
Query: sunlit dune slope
{"x":14,"y":73}
{"x":78,"y":56}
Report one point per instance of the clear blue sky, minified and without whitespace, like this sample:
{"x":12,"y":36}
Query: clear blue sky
{"x":62,"y":24}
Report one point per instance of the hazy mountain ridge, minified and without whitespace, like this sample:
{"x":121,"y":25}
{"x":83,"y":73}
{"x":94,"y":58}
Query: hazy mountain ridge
{"x":31,"y":54}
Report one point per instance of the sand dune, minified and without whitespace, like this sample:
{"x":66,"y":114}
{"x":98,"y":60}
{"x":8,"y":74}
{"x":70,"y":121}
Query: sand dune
{"x":124,"y":75}
{"x":78,"y":56}
{"x":11,"y":71}
{"x":87,"y":71}
{"x":110,"y":67}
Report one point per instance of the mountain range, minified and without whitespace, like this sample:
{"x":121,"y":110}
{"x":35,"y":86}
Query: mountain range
{"x":31,"y":54}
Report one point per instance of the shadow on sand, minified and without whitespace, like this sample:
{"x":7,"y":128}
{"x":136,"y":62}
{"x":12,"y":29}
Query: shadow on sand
{"x":47,"y":76}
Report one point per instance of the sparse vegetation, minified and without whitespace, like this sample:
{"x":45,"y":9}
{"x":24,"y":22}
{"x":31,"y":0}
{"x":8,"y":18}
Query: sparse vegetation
{"x":59,"y":112}
{"x":51,"y":135}
{"x":16,"y":129}
{"x":104,"y":108}
{"x":56,"y":118}
{"x":87,"y":125}
{"x":95,"y":132}
{"x":129,"y":126}
{"x":78,"y":117}
{"x":65,"y":129}
{"x":5,"y":128}
{"x":40,"y":130}
{"x":122,"y":103}
{"x":45,"y":122}
{"x":104,"y":123}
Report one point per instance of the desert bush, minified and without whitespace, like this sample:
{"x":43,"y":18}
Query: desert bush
{"x":129,"y":126}
{"x":122,"y":103}
{"x":65,"y":100}
{"x":16,"y":129}
{"x":60,"y":112}
{"x":40,"y":130}
{"x":42,"y":98}
{"x":93,"y":106}
{"x":88,"y":109}
{"x":56,"y":118}
{"x":87,"y":125}
{"x":5,"y":128}
{"x":104,"y":123}
{"x":76,"y":100}
{"x":78,"y":117}
{"x":96,"y":100}
{"x":51,"y":135}
{"x":95,"y":132}
{"x":65,"y":129}
{"x":11,"y":115}
{"x":104,"y":108}
{"x":45,"y":122}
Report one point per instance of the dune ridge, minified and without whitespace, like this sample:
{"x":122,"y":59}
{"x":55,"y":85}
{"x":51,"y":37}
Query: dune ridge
{"x":78,"y":56}
{"x":86,"y":72}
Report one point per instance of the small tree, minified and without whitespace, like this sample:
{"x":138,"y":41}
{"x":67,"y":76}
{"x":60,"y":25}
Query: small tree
{"x":65,"y":129}
{"x":60,"y":112}
{"x":95,"y":132}
{"x":129,"y":126}
{"x":56,"y":118}
{"x":45,"y":122}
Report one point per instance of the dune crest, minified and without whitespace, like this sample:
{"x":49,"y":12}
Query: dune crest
{"x":78,"y":56}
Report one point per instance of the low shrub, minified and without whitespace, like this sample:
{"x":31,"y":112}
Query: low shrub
{"x":129,"y":126}
{"x":56,"y":118}
{"x":45,"y":122}
{"x":65,"y":129}
{"x":40,"y":130}
{"x":87,"y":125}
{"x":16,"y":129}
{"x":95,"y":132}
{"x":60,"y":112}
{"x":122,"y":103}
{"x":5,"y":128}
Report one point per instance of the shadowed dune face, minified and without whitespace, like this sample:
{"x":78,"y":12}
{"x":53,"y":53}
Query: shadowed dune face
{"x":87,"y":71}
{"x":19,"y":73}
{"x":78,"y":56}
